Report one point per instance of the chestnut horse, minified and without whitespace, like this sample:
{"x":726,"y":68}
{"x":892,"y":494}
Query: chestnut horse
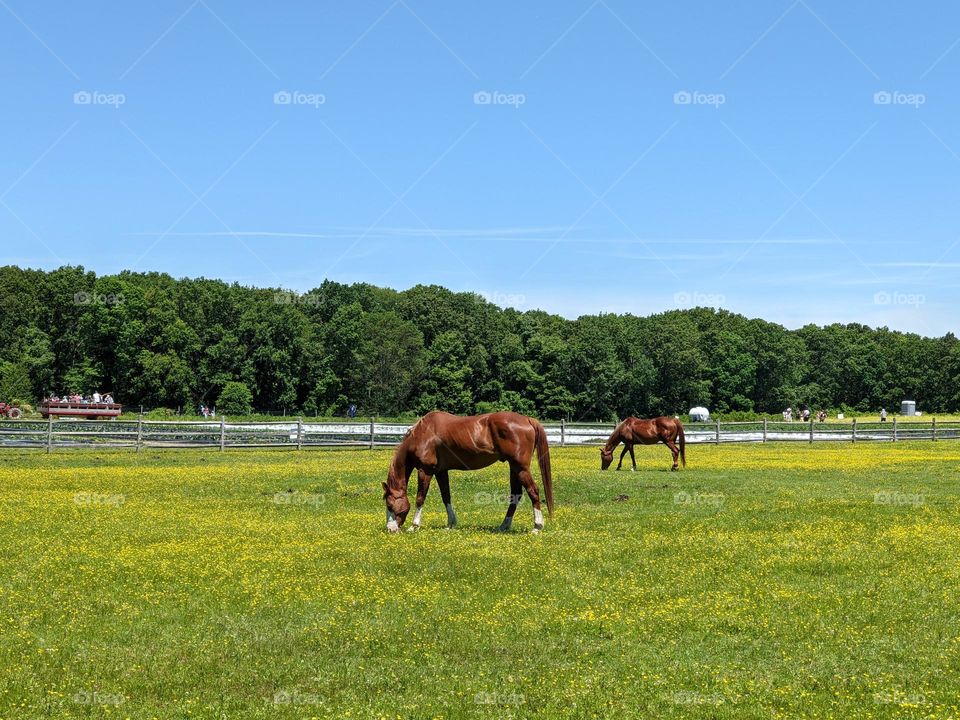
{"x":631,"y":431}
{"x":441,"y":442}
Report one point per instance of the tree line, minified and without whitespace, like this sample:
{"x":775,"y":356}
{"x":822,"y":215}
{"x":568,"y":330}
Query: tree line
{"x":157,"y":341}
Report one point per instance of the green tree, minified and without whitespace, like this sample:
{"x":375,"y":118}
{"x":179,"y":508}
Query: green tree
{"x":732,"y":372}
{"x":675,"y":346}
{"x":389,"y":363}
{"x":159,"y":341}
{"x":235,"y":399}
{"x":14,"y":382}
{"x":444,"y":383}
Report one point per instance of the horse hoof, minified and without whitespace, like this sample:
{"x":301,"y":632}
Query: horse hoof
{"x":535,"y":531}
{"x":413,"y":528}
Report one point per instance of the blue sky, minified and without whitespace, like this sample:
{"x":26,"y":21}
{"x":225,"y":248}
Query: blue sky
{"x":797,"y":161}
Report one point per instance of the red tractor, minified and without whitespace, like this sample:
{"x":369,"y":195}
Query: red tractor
{"x":10,"y":411}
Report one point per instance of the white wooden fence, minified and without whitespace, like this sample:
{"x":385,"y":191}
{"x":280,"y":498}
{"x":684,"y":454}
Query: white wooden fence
{"x":297,"y":434}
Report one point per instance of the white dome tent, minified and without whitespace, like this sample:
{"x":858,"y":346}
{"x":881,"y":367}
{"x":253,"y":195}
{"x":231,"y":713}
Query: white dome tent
{"x":699,"y":414}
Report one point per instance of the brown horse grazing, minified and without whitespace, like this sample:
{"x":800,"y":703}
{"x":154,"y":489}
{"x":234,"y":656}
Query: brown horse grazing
{"x":441,"y":442}
{"x":631,"y":431}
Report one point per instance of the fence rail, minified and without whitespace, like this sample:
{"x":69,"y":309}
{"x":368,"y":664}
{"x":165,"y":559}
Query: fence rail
{"x":297,"y":434}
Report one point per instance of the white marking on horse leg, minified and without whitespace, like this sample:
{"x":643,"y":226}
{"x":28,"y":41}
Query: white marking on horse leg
{"x":451,"y":516}
{"x":392,"y":525}
{"x":537,"y":520}
{"x":416,"y":518}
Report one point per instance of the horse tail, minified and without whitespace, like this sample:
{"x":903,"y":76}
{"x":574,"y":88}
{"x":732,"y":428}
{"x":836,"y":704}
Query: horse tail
{"x":683,"y":443}
{"x":543,"y":458}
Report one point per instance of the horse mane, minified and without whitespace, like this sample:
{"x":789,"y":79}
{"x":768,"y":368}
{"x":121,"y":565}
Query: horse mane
{"x":614,"y":438}
{"x":413,"y":427}
{"x":399,"y":462}
{"x":398,"y":465}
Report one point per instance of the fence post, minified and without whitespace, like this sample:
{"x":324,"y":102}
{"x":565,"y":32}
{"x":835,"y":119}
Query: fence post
{"x":49,"y":434}
{"x":811,"y":432}
{"x":563,"y":435}
{"x":223,"y":432}
{"x":853,"y":435}
{"x":934,"y":429}
{"x":139,"y":432}
{"x":894,"y":428}
{"x":717,"y":437}
{"x":300,"y":433}
{"x":371,"y":433}
{"x":764,"y":429}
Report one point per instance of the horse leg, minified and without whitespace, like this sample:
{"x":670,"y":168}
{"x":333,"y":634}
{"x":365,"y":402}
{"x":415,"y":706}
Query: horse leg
{"x":675,"y":451}
{"x":516,"y":492}
{"x":633,"y":459}
{"x":423,"y":485}
{"x":443,"y":481}
{"x":526,"y":479}
{"x":624,"y":452}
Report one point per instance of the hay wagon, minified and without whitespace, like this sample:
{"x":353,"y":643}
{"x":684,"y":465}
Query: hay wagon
{"x":81,"y":410}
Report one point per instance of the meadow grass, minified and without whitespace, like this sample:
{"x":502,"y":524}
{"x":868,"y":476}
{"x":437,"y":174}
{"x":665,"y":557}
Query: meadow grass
{"x":778,"y":580}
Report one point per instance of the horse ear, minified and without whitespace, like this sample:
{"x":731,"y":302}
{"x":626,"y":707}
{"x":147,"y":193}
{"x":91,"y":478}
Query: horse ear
{"x":386,"y":488}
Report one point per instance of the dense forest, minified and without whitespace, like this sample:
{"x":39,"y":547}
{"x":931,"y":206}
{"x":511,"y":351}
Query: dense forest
{"x":161,"y":342}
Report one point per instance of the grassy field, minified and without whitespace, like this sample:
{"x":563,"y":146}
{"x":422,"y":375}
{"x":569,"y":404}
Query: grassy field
{"x":763,"y":581}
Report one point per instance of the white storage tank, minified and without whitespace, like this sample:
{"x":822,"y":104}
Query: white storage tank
{"x":908,"y":408}
{"x":699,"y":414}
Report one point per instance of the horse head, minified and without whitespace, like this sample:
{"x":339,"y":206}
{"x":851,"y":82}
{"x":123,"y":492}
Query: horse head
{"x":606,"y":457}
{"x":395,"y":497}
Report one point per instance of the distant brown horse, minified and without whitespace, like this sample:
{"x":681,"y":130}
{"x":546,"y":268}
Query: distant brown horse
{"x":631,"y":431}
{"x":441,"y":442}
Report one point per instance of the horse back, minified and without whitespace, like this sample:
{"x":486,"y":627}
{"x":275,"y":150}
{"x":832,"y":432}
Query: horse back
{"x":649,"y":432}
{"x":453,"y":442}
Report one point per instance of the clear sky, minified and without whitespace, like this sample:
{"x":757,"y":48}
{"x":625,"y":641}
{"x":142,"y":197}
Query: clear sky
{"x":792,"y":160}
